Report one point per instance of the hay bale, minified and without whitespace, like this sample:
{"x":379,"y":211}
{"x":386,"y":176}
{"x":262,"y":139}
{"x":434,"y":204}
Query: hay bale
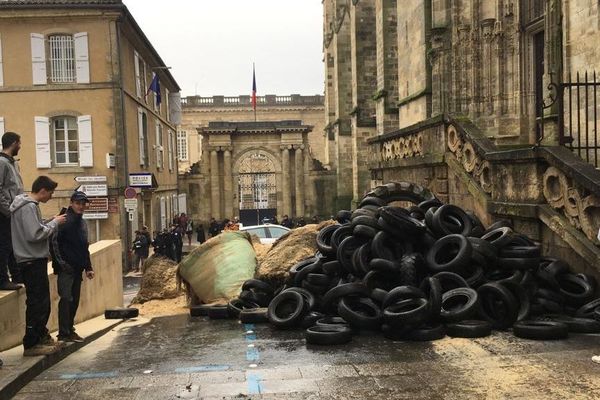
{"x":159,"y":280}
{"x":294,"y":246}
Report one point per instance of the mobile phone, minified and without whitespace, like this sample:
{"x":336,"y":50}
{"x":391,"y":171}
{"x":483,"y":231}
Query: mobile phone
{"x":63,"y":211}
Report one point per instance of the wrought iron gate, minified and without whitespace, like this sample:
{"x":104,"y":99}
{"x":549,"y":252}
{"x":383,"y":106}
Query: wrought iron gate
{"x":258,"y":197}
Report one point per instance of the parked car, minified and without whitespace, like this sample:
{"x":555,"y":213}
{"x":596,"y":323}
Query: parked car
{"x":267,"y":233}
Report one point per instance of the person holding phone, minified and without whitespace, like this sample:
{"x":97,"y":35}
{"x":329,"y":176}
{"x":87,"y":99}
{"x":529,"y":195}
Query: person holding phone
{"x":70,"y":258}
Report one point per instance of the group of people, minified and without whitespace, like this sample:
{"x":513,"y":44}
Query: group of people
{"x":27,"y":241}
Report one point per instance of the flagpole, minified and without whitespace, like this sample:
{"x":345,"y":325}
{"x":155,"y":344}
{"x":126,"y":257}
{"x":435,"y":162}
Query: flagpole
{"x":254,"y":90}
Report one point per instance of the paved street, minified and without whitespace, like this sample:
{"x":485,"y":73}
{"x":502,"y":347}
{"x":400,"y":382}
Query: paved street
{"x":180,"y":357}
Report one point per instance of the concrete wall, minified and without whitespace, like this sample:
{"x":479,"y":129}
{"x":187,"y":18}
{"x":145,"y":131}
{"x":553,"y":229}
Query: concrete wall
{"x":104,"y":291}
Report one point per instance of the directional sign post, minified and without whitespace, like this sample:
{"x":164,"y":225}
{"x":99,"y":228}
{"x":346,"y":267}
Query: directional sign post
{"x":94,"y":189}
{"x":88,"y":179}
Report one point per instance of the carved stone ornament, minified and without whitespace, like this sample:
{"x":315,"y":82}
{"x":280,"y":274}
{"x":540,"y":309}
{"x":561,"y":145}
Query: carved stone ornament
{"x":465,"y":153}
{"x":404,"y":147}
{"x":256,"y":161}
{"x":339,"y":17}
{"x":583,"y":213}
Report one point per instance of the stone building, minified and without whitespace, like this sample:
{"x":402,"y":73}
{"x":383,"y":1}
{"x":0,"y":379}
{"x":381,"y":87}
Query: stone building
{"x":73,"y":81}
{"x":234,"y":166}
{"x":491,"y":104}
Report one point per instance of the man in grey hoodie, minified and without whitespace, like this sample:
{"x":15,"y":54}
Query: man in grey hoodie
{"x":30,"y":244}
{"x":11,"y":185}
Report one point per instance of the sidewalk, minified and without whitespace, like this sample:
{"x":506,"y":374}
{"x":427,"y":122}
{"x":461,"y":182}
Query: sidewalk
{"x":18,"y":371}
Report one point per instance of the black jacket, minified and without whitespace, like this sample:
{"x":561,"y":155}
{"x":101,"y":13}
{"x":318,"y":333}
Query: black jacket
{"x":69,"y":245}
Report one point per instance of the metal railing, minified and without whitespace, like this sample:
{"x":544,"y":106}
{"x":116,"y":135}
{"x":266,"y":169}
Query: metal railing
{"x":245,"y":100}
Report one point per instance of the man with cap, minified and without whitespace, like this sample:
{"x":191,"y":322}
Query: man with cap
{"x":70,"y":258}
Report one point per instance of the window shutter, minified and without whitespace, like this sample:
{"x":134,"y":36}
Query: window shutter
{"x":142,"y":147}
{"x":167,"y":103}
{"x":86,"y":151}
{"x":42,"y":142}
{"x":82,"y":59}
{"x":38,"y":59}
{"x":159,"y":147}
{"x":1,"y":125}
{"x":136,"y":66}
{"x":1,"y":69}
{"x":170,"y":150}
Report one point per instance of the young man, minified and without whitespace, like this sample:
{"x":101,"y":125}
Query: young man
{"x":30,"y":245}
{"x":141,"y":248}
{"x":11,"y":186}
{"x":70,"y":257}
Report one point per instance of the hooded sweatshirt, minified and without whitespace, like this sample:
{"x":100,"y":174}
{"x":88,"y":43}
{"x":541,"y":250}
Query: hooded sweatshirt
{"x":29,"y":232}
{"x":11,"y":184}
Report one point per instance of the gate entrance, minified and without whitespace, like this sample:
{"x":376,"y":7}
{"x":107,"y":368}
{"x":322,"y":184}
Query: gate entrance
{"x":257,"y":190}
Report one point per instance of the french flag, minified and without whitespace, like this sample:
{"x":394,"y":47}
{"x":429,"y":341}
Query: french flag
{"x":253,"y":89}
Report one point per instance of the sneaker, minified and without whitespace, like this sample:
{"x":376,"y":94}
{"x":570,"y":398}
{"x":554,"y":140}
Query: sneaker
{"x":73,"y":338}
{"x":48,"y":341}
{"x":596,"y":359}
{"x":40,"y":350}
{"x":10,"y":286}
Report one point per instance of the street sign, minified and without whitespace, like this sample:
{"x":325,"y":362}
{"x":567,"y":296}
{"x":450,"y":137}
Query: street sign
{"x":131,"y":204}
{"x":113,"y":205}
{"x":95,"y":215}
{"x":91,"y":189}
{"x":130,"y":193}
{"x":98,"y":204}
{"x":141,"y":179}
{"x":84,"y":179}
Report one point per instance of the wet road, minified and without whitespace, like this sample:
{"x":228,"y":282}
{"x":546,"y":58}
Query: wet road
{"x":180,"y":357}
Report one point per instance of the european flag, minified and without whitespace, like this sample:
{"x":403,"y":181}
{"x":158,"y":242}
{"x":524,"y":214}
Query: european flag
{"x":155,"y":87}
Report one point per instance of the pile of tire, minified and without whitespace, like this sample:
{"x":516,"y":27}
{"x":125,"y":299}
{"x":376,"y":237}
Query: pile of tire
{"x":420,"y":273}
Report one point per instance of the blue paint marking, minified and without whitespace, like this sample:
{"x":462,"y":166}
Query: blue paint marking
{"x":90,"y":375}
{"x":252,"y":354}
{"x":250,"y":337}
{"x":249,"y":327}
{"x":254,"y":386}
{"x":203,"y":368}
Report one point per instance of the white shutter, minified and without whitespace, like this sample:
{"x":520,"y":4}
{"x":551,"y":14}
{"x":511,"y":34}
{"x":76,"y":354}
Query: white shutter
{"x":159,"y":147}
{"x":82,"y":59}
{"x":1,"y":125}
{"x":170,"y":150}
{"x":1,"y":73}
{"x":86,"y":151}
{"x":141,"y":141}
{"x":167,"y":102}
{"x":42,"y":142}
{"x":38,"y":59}
{"x":136,"y":66}
{"x":163,"y":214}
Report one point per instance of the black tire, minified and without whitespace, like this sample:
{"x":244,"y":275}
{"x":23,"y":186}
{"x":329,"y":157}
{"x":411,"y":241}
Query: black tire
{"x":258,"y":286}
{"x":315,"y":289}
{"x":587,"y":310}
{"x":485,"y":248}
{"x":469,"y":329}
{"x":324,"y":239}
{"x":522,"y":297}
{"x":407,"y":312}
{"x":498,"y":305}
{"x":359,"y":212}
{"x":287,"y":309}
{"x":343,"y":216}
{"x":402,"y":293}
{"x":474,"y":274}
{"x":521,"y":252}
{"x":327,"y":321}
{"x":427,"y":204}
{"x":365,"y":231}
{"x":349,"y":289}
{"x":254,"y":316}
{"x":377,"y":279}
{"x":234,"y":308}
{"x":250,"y":296}
{"x":309,"y":298}
{"x":576,"y":325}
{"x":345,"y":251}
{"x":450,"y":219}
{"x":401,"y":191}
{"x":361,"y":259}
{"x":433,"y":290}
{"x":318,"y":279}
{"x":399,"y":218}
{"x":332,"y":268}
{"x":518,"y":263}
{"x":384,"y":266}
{"x":499,"y":237}
{"x":378,"y":295}
{"x":360,"y":312}
{"x":500,"y":224}
{"x":383,"y":246}
{"x":121,"y":313}
{"x":395,"y":332}
{"x":458,"y":304}
{"x":550,"y":269}
{"x":540,"y":330}
{"x":218,"y":312}
{"x":311,"y":319}
{"x":450,"y":280}
{"x":328,"y":335}
{"x":365,"y":220}
{"x":575,"y":290}
{"x":449,"y":253}
{"x":339,"y":235}
{"x":426,"y":333}
{"x":200,"y":310}
{"x":372,"y":201}
{"x":301,"y":265}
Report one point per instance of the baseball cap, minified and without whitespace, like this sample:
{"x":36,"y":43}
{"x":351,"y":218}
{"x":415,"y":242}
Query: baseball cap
{"x":79,"y":196}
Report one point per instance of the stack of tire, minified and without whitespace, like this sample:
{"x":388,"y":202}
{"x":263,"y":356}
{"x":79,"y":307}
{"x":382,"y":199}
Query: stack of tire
{"x":423,"y":272}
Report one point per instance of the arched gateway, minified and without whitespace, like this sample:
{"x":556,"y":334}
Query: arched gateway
{"x":257,"y":188}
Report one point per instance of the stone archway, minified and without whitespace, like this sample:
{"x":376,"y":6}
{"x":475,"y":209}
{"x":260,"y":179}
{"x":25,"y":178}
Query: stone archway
{"x":257,"y":187}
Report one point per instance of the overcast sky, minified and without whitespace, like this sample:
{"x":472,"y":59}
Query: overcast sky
{"x":211,"y":44}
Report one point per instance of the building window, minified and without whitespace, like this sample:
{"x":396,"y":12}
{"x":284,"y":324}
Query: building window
{"x":159,"y":147}
{"x":143,"y":137}
{"x":182,"y":145}
{"x":66,"y":140}
{"x":62,"y":58}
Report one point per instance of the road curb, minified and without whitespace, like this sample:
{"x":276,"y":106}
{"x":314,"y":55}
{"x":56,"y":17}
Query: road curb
{"x":11,"y":388}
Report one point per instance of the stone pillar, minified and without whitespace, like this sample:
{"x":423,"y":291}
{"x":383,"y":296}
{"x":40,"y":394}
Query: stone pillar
{"x":227,"y":184}
{"x":299,"y":179}
{"x":215,"y":201}
{"x":285,"y":180}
